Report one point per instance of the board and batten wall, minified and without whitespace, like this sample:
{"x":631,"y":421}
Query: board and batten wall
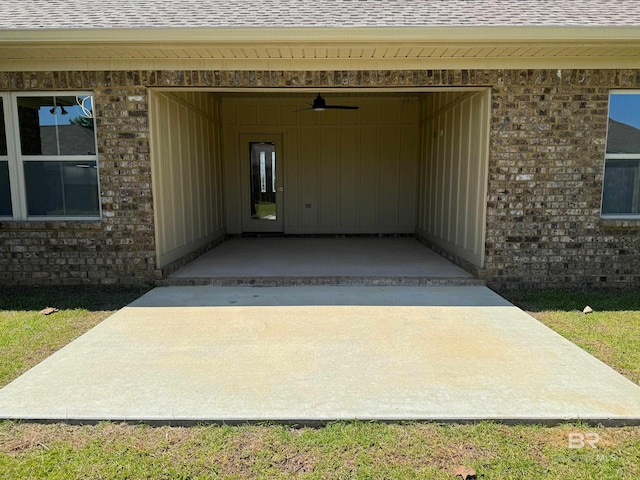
{"x":186,"y":173}
{"x":345,"y":171}
{"x":454,"y":169}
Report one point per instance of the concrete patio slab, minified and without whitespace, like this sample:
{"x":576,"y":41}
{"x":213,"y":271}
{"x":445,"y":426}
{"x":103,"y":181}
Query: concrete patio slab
{"x":271,"y":261}
{"x":314,"y":354}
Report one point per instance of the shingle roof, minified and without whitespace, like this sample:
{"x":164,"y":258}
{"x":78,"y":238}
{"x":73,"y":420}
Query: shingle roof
{"x":64,"y":14}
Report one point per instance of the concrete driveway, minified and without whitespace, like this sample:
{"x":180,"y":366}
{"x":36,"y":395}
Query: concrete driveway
{"x":312,"y":354}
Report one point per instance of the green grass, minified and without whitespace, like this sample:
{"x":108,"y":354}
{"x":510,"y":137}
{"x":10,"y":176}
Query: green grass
{"x":341,"y":450}
{"x":28,"y":337}
{"x":264,"y":210}
{"x":336,"y":451}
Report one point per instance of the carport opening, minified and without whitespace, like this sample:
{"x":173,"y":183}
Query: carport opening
{"x":405,"y":163}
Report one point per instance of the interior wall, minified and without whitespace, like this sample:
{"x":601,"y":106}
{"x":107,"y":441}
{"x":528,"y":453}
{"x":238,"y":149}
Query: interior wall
{"x":345,"y":171}
{"x":453,"y":173}
{"x":186,"y":173}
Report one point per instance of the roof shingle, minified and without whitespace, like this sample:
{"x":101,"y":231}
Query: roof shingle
{"x":64,"y":14}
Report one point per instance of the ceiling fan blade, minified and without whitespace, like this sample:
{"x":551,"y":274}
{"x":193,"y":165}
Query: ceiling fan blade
{"x":341,"y":107}
{"x":319,"y":104}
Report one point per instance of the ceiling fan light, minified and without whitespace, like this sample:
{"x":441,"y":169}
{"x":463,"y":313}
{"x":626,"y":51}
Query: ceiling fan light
{"x":319,"y":103}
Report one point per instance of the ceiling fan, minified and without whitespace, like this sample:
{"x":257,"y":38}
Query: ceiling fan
{"x":320,"y":105}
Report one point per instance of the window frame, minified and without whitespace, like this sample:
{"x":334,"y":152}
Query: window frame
{"x":8,"y":131}
{"x":17,"y":160}
{"x":612,"y":157}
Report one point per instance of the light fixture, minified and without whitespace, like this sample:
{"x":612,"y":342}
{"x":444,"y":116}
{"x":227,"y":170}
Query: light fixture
{"x":62,"y":110}
{"x":320,"y":105}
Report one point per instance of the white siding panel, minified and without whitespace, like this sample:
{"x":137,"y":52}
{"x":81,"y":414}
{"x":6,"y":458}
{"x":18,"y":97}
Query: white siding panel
{"x":308,"y":175}
{"x":454,"y":161}
{"x":329,"y":177}
{"x":388,"y":208}
{"x":408,"y":178}
{"x":186,"y":173}
{"x":346,"y":171}
{"x":349,"y":174}
{"x":369,"y":176}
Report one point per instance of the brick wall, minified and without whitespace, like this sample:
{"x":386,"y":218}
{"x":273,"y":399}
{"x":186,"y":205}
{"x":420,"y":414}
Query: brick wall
{"x":545,"y":183}
{"x":545,"y":176}
{"x":119,"y":249}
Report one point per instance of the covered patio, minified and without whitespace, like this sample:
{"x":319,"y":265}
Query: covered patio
{"x":388,"y":164}
{"x":325,"y":260}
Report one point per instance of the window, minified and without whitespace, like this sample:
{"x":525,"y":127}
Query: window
{"x":48,"y":165}
{"x":6,"y":209}
{"x":621,"y":192}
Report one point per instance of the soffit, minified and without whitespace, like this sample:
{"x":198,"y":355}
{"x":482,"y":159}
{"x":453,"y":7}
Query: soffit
{"x":268,"y":49}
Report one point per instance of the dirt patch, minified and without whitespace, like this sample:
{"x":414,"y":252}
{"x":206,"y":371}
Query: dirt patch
{"x":446,"y":458}
{"x":298,"y":463}
{"x":18,"y":438}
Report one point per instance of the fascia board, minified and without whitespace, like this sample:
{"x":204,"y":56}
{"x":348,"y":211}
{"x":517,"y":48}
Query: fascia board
{"x":497,"y":34}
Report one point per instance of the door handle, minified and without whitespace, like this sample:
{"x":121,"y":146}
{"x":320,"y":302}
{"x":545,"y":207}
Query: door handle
{"x":281,"y":189}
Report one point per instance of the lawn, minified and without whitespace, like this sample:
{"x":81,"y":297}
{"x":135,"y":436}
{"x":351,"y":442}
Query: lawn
{"x":28,"y":337}
{"x":338,"y":450}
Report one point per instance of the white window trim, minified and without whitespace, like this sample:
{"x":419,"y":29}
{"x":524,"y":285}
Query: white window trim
{"x":10,"y":157}
{"x":623,"y":156}
{"x":617,"y":156}
{"x":17,"y":160}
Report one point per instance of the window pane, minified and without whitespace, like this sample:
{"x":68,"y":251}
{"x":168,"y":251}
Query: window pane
{"x":5,"y":191}
{"x":3,"y":132}
{"x":262,"y":165}
{"x":62,"y":189}
{"x":621,"y":187}
{"x":624,"y":124}
{"x":55,"y":126}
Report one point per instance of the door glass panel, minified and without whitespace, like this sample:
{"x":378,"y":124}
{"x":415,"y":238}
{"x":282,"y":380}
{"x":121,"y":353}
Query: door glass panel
{"x":262,"y":172}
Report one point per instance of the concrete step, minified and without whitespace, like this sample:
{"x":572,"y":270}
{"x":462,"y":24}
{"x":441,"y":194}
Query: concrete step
{"x":285,"y":281}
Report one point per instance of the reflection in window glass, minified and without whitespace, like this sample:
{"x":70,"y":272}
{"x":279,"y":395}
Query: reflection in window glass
{"x":624,"y":124}
{"x":621,"y":191}
{"x":55,"y":126}
{"x":3,"y":132}
{"x":621,"y":187}
{"x":5,"y":191}
{"x":66,"y":188}
{"x":263,"y":172}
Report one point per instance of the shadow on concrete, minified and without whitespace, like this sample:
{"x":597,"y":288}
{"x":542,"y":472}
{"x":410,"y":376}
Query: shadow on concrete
{"x":212,"y":296}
